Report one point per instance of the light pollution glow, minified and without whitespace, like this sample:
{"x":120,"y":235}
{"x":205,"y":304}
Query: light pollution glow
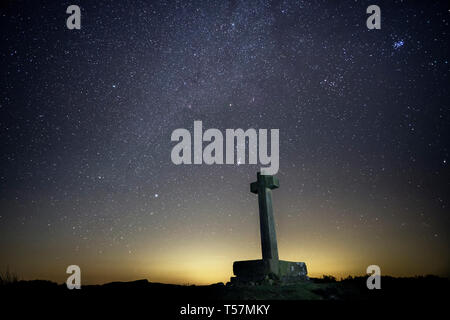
{"x":180,"y":257}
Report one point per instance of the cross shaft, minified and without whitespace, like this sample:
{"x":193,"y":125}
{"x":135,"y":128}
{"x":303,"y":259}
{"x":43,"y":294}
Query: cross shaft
{"x":263,"y":187}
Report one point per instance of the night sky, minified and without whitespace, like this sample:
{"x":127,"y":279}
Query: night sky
{"x":86,"y":117}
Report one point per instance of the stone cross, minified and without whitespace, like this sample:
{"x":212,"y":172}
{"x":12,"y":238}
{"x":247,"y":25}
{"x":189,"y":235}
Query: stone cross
{"x":270,"y":267}
{"x":263,"y":187}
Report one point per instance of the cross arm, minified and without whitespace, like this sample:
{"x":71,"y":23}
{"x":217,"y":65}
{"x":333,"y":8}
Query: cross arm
{"x":270,"y":182}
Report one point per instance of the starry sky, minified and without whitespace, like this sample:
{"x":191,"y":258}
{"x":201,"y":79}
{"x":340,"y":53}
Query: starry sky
{"x":86,"y":118}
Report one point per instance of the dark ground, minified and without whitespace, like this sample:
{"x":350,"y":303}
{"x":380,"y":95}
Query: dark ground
{"x":317,"y":295}
{"x":428,"y":288}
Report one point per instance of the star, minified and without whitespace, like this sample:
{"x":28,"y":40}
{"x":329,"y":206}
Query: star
{"x":398,"y":44}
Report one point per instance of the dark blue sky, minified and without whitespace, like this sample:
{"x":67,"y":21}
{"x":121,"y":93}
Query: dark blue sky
{"x":86,"y":117}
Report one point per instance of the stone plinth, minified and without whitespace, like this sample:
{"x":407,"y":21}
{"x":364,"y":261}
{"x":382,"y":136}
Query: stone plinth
{"x":290,"y":271}
{"x":259,"y":270}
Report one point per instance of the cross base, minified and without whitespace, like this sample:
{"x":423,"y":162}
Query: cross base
{"x":268,"y":270}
